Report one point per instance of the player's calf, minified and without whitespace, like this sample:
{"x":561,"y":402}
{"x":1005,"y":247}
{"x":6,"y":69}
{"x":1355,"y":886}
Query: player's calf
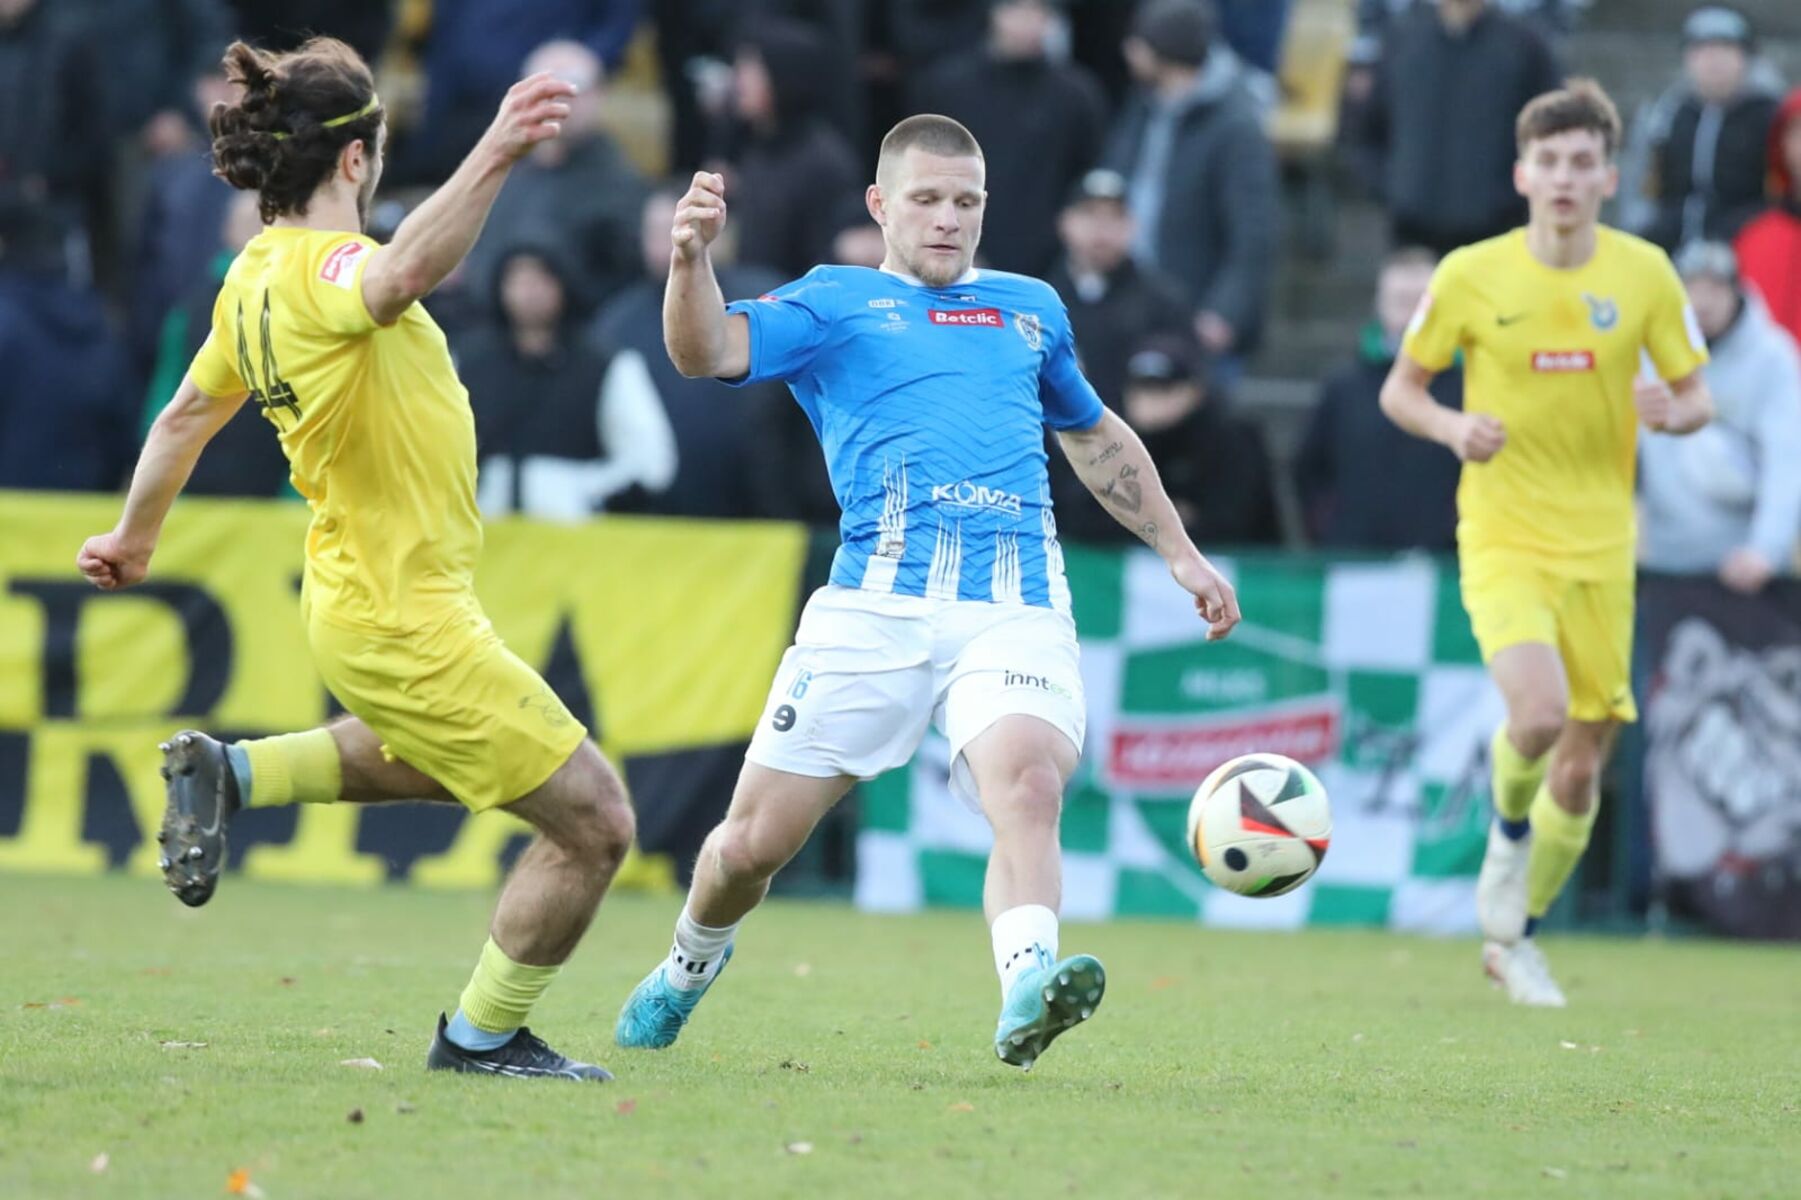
{"x":202,"y":798}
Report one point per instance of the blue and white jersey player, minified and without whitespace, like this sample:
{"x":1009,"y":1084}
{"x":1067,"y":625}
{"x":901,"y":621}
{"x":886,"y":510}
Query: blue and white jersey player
{"x":929,"y":384}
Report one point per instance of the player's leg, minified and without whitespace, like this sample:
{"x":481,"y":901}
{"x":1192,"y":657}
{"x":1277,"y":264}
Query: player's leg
{"x":1513,"y":609}
{"x":1020,"y":765}
{"x":208,"y":782}
{"x":851,"y":699}
{"x":1530,"y":677}
{"x":1014,"y":713}
{"x":584,"y":827}
{"x":771,"y":816}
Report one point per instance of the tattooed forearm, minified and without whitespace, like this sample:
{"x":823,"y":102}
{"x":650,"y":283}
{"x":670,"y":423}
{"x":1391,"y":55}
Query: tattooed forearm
{"x":1124,"y":491}
{"x":1108,"y":455}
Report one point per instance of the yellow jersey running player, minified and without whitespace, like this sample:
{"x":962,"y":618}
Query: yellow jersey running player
{"x":1553,"y":322}
{"x":321,"y":327}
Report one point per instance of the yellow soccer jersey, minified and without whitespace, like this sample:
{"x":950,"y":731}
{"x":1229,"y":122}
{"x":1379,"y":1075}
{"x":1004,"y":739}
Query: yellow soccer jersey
{"x":377,"y":429}
{"x":1553,"y":355}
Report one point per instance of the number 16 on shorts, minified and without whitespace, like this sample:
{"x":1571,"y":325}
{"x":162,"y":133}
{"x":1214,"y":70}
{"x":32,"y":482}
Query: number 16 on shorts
{"x":784,"y":716}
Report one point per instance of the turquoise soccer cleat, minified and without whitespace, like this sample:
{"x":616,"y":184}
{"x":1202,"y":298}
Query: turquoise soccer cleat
{"x":1043,"y":1003}
{"x":656,"y":1010}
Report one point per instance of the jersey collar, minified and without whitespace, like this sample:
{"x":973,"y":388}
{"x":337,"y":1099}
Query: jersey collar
{"x":969,"y":276}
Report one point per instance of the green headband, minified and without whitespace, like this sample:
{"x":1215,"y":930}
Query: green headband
{"x":347,"y":118}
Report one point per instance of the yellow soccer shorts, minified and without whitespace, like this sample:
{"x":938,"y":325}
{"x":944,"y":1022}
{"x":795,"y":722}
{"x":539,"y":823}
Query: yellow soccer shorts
{"x":450,"y":700}
{"x":1512,"y":600}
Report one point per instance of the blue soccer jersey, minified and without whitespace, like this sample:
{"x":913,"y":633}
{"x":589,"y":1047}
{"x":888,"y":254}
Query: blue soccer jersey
{"x":931,"y":405}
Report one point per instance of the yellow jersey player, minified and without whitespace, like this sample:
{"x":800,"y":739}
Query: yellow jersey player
{"x":321,"y":327}
{"x":1560,"y":325}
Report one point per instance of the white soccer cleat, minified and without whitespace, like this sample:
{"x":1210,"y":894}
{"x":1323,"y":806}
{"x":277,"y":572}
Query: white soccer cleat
{"x":1501,"y":886}
{"x":1521,"y":969}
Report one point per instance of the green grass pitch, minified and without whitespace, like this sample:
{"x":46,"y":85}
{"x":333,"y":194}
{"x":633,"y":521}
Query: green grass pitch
{"x":848,"y":1055}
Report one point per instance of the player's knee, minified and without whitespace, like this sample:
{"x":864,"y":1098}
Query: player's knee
{"x":1536,"y":729}
{"x":747,"y":853}
{"x":601,"y":825}
{"x":1574,"y":780}
{"x":1033,"y":796}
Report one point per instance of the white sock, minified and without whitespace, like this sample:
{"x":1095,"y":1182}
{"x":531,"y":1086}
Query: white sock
{"x":694,"y":959}
{"x":1024,"y":937}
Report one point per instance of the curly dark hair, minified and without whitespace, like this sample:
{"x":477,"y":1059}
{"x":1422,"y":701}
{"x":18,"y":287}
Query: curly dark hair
{"x":283,"y":137}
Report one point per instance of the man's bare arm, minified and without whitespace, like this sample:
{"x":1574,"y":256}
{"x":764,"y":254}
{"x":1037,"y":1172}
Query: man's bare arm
{"x":703,"y":340}
{"x":122,"y":557}
{"x":1112,"y":463}
{"x":437,"y":235}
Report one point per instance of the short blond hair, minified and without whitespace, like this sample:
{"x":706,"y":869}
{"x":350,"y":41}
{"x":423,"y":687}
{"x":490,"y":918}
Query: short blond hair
{"x":933,"y":134}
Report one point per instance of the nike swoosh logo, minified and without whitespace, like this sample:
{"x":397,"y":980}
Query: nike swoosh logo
{"x":1505,"y":320}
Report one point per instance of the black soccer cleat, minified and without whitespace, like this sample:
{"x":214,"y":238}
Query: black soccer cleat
{"x":203,"y":797}
{"x":524,"y":1056}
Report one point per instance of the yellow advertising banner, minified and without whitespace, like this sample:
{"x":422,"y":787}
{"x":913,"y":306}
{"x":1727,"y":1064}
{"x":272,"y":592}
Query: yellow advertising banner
{"x":662,"y":635}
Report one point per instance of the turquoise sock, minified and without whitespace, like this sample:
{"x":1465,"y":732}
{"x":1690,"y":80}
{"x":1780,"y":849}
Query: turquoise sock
{"x":239,"y":758}
{"x":469,"y":1037}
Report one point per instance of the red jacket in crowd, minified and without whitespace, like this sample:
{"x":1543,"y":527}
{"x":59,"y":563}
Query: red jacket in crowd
{"x":1769,"y":248}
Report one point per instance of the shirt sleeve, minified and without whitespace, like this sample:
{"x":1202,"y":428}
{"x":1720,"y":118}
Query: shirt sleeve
{"x":1435,"y":333}
{"x":1069,"y":400}
{"x":1673,"y":336}
{"x":787,"y":328}
{"x":334,"y":283}
{"x":213,"y":370}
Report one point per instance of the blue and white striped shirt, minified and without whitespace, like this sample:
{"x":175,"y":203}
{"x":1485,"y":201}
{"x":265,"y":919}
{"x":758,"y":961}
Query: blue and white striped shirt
{"x":930,"y":404}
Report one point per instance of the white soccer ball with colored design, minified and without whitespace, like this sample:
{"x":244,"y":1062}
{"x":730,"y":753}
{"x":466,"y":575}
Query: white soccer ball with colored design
{"x":1260,"y":824}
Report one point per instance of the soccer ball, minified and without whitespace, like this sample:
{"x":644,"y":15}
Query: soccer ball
{"x":1259,"y":825}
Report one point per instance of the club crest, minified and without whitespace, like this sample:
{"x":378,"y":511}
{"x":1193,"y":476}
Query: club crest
{"x":1030,"y":328}
{"x":1603,"y":314}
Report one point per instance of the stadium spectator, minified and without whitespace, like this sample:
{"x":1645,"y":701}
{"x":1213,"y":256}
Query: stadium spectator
{"x":68,"y":410}
{"x":711,"y":424}
{"x":1707,"y":161}
{"x":181,"y":218}
{"x":284,"y":24}
{"x":1254,"y":29}
{"x":1726,"y":500}
{"x":788,"y":162}
{"x":473,"y":55}
{"x":1040,"y":121}
{"x":693,"y":40}
{"x":578,"y":191}
{"x":1769,"y":248}
{"x":561,"y":430}
{"x":1363,"y":484}
{"x":858,"y":240}
{"x":1213,"y":462}
{"x":1201,"y":173}
{"x":1113,"y":301}
{"x":246,"y":458}
{"x":1436,"y":136}
{"x":1552,"y":18}
{"x":153,"y":51}
{"x":53,"y":145}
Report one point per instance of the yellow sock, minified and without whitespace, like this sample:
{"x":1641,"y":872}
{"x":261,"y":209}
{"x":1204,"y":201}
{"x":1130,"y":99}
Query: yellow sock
{"x":1558,"y":840}
{"x":294,"y":768}
{"x":1516,"y":777}
{"x":502,"y":992}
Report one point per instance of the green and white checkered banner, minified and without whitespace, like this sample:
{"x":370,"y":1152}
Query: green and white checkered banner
{"x":1364,"y":670}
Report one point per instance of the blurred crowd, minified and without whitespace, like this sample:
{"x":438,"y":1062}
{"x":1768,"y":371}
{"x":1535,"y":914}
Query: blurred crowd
{"x":1134,"y":160}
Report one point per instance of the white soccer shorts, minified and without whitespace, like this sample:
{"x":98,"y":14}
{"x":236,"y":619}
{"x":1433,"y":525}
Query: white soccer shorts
{"x":869,"y":670}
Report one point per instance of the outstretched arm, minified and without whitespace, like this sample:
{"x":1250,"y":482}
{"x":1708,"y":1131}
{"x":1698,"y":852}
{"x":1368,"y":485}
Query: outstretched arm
{"x":437,"y":235}
{"x":1112,"y":462}
{"x":122,"y":557}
